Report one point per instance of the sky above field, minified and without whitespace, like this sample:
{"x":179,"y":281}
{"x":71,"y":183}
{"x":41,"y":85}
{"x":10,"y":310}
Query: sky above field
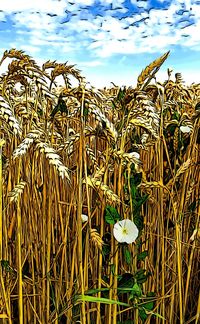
{"x":107,"y":40}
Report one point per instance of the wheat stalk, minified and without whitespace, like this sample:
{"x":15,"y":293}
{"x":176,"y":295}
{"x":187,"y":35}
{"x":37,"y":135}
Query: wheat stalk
{"x":17,"y":191}
{"x":149,"y":72}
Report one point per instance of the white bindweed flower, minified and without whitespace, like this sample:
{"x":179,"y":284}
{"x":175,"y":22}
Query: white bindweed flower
{"x":84,"y":218}
{"x":185,"y":129}
{"x":134,"y":155}
{"x":125,"y":231}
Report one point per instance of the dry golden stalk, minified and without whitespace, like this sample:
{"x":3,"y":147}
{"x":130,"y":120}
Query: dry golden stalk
{"x":18,"y":54}
{"x":49,"y":65}
{"x":96,"y":238}
{"x":26,"y":143}
{"x":185,"y":166}
{"x":54,"y":159}
{"x":16,"y":192}
{"x":92,"y":144}
{"x":7,"y":115}
{"x":149,"y":72}
{"x":176,"y":139}
{"x":98,"y":185}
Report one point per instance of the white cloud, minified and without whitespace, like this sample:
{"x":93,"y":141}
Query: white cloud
{"x":91,"y":39}
{"x":30,"y":49}
{"x":2,"y":16}
{"x":90,"y":64}
{"x":115,"y":4}
{"x":53,"y":6}
{"x":84,"y":25}
{"x":188,"y":4}
{"x":85,"y":2}
{"x":37,"y":21}
{"x":48,"y":6}
{"x":115,"y":27}
{"x":194,"y":41}
{"x":154,"y":31}
{"x":140,"y":3}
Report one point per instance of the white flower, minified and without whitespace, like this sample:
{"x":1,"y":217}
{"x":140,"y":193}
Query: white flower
{"x":84,"y":218}
{"x":125,"y":231}
{"x":185,"y":129}
{"x":134,"y":155}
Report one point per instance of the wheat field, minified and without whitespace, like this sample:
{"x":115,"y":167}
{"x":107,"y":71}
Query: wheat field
{"x":74,"y":161}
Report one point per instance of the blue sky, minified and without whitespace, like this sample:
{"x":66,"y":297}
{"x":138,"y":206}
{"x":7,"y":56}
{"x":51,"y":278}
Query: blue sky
{"x":107,"y":40}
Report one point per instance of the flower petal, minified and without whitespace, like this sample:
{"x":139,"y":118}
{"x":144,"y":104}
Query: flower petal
{"x":118,"y":232}
{"x":84,"y":218}
{"x":125,"y":231}
{"x":185,"y":129}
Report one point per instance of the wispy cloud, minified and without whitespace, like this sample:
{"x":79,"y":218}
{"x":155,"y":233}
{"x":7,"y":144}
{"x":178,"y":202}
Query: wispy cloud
{"x":54,"y":6}
{"x":106,"y":34}
{"x":2,"y":16}
{"x":91,"y":63}
{"x":152,"y":31}
{"x":89,"y":32}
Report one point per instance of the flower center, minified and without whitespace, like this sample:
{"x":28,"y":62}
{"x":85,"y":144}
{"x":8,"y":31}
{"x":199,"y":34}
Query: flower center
{"x":124,"y":231}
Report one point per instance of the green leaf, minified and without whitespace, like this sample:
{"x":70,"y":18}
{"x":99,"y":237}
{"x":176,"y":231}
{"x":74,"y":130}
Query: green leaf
{"x":197,"y":107}
{"x":149,"y":305}
{"x":112,"y":268}
{"x":113,"y":105}
{"x":138,"y":220}
{"x":141,"y":256}
{"x":140,"y":276}
{"x":127,"y":254}
{"x":142,"y":314}
{"x":100,"y":300}
{"x":126,"y":281}
{"x":135,"y":292}
{"x":85,"y":111}
{"x":61,"y":106}
{"x":111,"y":215}
{"x":135,"y":180}
{"x":176,"y":115}
{"x":194,"y":205}
{"x":133,"y":192}
{"x":40,"y":112}
{"x":140,"y":201}
{"x":106,"y":250}
{"x":151,"y":294}
{"x":5,"y":266}
{"x":121,"y":94}
{"x":95,"y":291}
{"x":152,"y":313}
{"x":158,"y":315}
